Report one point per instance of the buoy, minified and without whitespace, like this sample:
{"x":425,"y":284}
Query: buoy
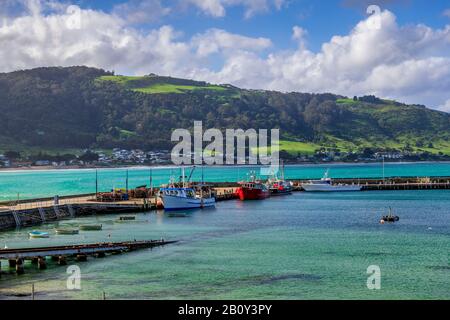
{"x":381,"y":221}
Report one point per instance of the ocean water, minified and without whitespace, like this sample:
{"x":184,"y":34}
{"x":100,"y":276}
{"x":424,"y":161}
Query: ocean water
{"x":302,"y":246}
{"x":47,"y":183}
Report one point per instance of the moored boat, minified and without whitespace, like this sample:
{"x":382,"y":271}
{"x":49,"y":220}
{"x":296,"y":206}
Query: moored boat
{"x":252,"y":189}
{"x":184,"y":197}
{"x":38,"y":234}
{"x":126,"y":218}
{"x":91,"y":227}
{"x":67,"y":231}
{"x":389,"y":217}
{"x":326,"y":185}
{"x":279,"y":186}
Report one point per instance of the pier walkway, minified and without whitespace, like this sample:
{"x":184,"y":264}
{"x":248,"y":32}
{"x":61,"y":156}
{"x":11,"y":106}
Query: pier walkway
{"x":16,"y":257}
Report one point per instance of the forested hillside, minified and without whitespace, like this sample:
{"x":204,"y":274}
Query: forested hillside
{"x":82,"y":107}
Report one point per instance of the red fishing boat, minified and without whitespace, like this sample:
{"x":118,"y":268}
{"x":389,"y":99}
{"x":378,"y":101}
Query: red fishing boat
{"x":252,"y":190}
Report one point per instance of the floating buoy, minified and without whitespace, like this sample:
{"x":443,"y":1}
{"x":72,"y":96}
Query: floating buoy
{"x":381,"y":221}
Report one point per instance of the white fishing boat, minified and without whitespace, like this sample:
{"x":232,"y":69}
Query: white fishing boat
{"x":184,"y":197}
{"x":326,"y":185}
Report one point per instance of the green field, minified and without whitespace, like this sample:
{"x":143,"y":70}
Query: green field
{"x":346,"y":101}
{"x":293,"y":147}
{"x":137,"y":84}
{"x":172,"y":88}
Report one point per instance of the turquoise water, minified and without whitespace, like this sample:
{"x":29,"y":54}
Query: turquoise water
{"x":35,"y":184}
{"x":303,"y":246}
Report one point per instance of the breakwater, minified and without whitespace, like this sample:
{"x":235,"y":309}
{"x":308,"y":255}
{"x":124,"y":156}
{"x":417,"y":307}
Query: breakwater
{"x":17,"y":218}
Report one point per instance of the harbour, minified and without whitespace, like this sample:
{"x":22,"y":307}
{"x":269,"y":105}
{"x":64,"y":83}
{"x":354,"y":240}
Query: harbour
{"x":325,"y":241}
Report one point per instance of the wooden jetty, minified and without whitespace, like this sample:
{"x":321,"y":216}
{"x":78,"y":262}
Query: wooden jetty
{"x":16,"y":257}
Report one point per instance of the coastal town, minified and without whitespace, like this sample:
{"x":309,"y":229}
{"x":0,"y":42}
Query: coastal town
{"x":123,"y":157}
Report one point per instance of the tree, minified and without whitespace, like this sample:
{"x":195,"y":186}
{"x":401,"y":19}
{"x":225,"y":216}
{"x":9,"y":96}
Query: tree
{"x":89,"y":156}
{"x":13,"y":155}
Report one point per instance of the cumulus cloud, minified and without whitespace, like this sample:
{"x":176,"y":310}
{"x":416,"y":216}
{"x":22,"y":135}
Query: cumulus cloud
{"x":409,"y":63}
{"x":219,"y":41}
{"x":217,"y":8}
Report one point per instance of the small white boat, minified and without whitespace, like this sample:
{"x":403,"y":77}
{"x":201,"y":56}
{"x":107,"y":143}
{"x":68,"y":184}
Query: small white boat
{"x":326,"y":185}
{"x":38,"y":234}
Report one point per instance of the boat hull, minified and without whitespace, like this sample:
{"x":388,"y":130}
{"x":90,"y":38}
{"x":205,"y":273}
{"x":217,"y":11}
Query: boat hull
{"x":181,"y":203}
{"x":330,"y":188}
{"x":278,"y":192}
{"x":36,"y":234}
{"x":252,"y":194}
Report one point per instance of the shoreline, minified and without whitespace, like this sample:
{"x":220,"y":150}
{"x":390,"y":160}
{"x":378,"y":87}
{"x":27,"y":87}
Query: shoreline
{"x":168,"y":166}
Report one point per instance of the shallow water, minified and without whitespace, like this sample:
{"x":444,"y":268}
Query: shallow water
{"x":303,"y":246}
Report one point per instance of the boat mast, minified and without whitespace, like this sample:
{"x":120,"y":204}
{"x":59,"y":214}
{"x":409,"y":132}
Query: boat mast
{"x":183,"y":177}
{"x":151,"y":181}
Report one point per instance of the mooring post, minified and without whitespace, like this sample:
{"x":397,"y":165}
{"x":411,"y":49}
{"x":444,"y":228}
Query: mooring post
{"x":32,"y":291}
{"x":104,"y":295}
{"x":12,"y":263}
{"x":42,"y":265}
{"x":81,"y":257}
{"x":62,"y":261}
{"x":19,"y":266}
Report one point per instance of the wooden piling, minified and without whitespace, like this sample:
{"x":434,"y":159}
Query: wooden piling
{"x":42,"y":265}
{"x":62,"y":261}
{"x":19,"y":266}
{"x":12,"y":263}
{"x":81,"y":257}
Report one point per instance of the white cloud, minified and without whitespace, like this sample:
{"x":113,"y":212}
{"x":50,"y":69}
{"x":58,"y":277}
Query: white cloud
{"x":445,"y":107}
{"x":220,"y":41}
{"x":141,"y":11}
{"x":410,"y":63}
{"x":217,"y":8}
{"x":213,"y":8}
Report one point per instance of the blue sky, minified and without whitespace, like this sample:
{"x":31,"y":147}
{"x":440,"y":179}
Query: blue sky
{"x":323,"y":19}
{"x":401,"y":52}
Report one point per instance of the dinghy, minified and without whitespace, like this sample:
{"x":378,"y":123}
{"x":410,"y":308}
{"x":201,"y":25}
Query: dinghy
{"x":38,"y":234}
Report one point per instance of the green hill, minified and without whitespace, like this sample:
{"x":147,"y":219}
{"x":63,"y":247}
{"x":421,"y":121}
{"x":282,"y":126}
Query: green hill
{"x":80,"y":107}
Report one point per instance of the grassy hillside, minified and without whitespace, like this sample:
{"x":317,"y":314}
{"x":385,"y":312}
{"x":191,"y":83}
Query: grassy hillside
{"x":162,"y":85}
{"x":80,"y":107}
